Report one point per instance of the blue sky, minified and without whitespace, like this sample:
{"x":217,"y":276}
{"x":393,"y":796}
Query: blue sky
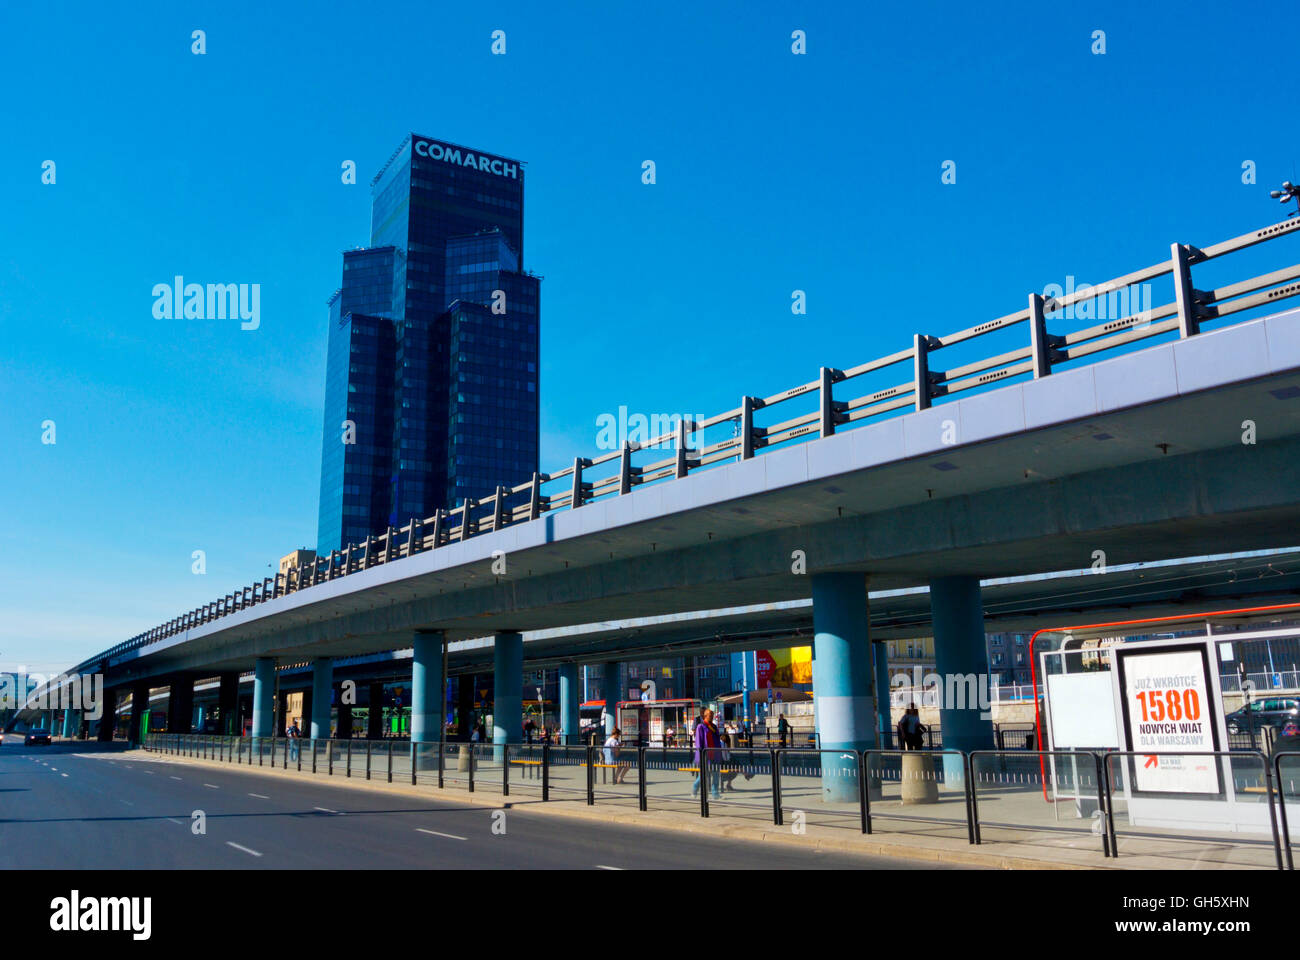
{"x":775,"y":172}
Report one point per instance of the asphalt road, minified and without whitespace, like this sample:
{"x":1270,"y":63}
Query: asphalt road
{"x":63,"y":809}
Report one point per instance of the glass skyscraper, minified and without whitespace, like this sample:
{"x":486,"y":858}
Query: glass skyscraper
{"x":433,"y":346}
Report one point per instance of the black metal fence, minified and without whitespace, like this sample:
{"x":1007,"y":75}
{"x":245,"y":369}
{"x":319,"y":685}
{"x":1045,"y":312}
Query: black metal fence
{"x":951,"y":789}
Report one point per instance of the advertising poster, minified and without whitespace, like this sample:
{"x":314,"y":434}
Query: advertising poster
{"x":1168,"y":707}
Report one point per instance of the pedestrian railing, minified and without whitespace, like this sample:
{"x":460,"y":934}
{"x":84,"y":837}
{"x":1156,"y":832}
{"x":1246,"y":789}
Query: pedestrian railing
{"x":910,"y":379}
{"x":1004,"y":796}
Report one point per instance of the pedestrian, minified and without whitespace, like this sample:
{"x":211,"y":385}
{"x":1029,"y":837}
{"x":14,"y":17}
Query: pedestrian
{"x":911,"y":732}
{"x":783,"y":727}
{"x":708,"y":747}
{"x":613,"y":743}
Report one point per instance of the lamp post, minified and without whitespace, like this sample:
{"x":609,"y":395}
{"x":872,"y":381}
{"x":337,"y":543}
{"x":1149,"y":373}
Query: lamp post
{"x":1288,"y":193}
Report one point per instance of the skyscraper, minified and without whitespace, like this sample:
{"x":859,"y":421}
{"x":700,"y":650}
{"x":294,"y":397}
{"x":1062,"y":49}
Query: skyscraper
{"x":431,"y":378}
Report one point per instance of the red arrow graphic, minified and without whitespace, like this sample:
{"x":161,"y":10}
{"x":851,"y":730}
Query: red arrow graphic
{"x":1152,"y":761}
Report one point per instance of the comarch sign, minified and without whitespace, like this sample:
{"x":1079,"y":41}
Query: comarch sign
{"x":466,"y":158}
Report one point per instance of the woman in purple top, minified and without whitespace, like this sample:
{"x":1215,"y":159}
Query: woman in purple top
{"x":707,"y":739}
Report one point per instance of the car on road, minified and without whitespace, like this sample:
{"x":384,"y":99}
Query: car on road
{"x":1265,"y":712}
{"x":37,"y":736}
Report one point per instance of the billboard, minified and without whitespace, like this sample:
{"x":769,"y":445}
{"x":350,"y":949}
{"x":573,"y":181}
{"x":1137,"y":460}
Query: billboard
{"x":783,"y":668}
{"x":1168,"y":710}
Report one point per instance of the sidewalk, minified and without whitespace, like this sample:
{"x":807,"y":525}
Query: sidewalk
{"x":939,"y":843}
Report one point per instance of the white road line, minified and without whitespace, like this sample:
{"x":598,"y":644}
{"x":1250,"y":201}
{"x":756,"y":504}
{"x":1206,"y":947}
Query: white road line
{"x":326,"y":810}
{"x":149,"y":773}
{"x":601,"y":866}
{"x":259,"y":796}
{"x":449,"y":836}
{"x":179,"y":823}
{"x":175,"y":778}
{"x":212,"y":785}
{"x":63,"y":774}
{"x":253,"y":853}
{"x":127,"y":802}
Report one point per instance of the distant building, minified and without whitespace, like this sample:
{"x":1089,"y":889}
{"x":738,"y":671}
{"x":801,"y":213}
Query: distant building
{"x":299,"y":558}
{"x":431,"y":386}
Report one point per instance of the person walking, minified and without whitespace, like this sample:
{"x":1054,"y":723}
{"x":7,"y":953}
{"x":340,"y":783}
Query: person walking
{"x":783,"y":727}
{"x":708,"y":747}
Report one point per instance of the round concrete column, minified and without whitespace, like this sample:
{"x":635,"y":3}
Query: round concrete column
{"x":428,"y":692}
{"x":842,"y":678}
{"x":570,"y":695}
{"x":961,"y":660}
{"x":322,"y":683}
{"x":508,"y":688}
{"x":263,"y":696}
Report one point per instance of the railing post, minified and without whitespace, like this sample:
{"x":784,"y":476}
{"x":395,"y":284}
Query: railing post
{"x":471,"y":767}
{"x":591,"y":779}
{"x":575,"y":501}
{"x":535,"y":497}
{"x":412,"y":543}
{"x":390,"y":761}
{"x":921,"y":370}
{"x":466,"y":517}
{"x":390,"y":544}
{"x":369,"y":744}
{"x":1039,"y":345}
{"x":703,"y":769}
{"x":682,"y":465}
{"x":347,"y":769}
{"x":827,"y":402}
{"x":778,"y":818}
{"x":746,"y":428}
{"x":498,"y":507}
{"x":640,"y":774}
{"x":546,"y":772}
{"x":1184,"y":295}
{"x":625,"y":469}
{"x":972,"y":808}
{"x":505,"y":769}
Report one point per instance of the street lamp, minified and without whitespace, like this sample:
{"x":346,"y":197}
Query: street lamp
{"x":1288,"y":193}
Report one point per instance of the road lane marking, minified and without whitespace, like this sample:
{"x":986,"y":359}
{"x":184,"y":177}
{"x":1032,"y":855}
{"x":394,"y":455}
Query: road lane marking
{"x":175,"y":821}
{"x":259,"y":796}
{"x":63,"y":774}
{"x":252,"y":853}
{"x":449,"y":836}
{"x":212,"y":786}
{"x":127,"y":802}
{"x":175,"y":778}
{"x":601,"y":866}
{"x":326,"y":810}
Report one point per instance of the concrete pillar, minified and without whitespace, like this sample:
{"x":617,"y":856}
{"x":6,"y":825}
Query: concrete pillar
{"x":570,"y":697}
{"x":322,"y":683}
{"x":611,"y":686}
{"x":228,"y":704}
{"x":961,"y":660}
{"x":180,"y":704}
{"x":884,"y":716}
{"x":508,"y":688}
{"x":464,"y":705}
{"x":139,"y":707}
{"x":428,"y":688}
{"x":67,"y":723}
{"x":375,"y":711}
{"x":842,"y":678}
{"x":263,"y":696}
{"x":107,"y":715}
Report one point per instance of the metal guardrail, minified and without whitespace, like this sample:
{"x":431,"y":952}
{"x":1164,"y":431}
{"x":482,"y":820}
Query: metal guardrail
{"x":534,"y":766}
{"x":573,"y":487}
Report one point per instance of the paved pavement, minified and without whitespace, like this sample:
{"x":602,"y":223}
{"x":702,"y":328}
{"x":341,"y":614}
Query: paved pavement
{"x":82,"y":809}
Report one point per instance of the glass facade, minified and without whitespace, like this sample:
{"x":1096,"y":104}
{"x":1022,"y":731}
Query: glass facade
{"x":448,"y":392}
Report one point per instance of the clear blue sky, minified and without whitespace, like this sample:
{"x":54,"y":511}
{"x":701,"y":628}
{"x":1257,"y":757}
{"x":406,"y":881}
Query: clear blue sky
{"x":775,"y":172}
